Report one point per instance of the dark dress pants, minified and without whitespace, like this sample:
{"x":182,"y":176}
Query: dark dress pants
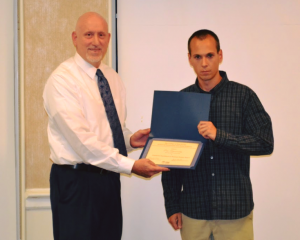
{"x":85,"y":205}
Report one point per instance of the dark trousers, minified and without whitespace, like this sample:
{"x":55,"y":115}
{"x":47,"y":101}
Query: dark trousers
{"x":85,"y":205}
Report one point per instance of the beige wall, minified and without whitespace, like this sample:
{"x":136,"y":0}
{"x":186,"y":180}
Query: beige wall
{"x":47,"y":43}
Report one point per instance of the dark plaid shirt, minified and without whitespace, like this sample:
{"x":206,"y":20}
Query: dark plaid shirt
{"x":220,"y":186}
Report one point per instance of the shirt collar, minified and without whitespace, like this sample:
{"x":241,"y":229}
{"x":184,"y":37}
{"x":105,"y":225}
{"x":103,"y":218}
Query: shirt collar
{"x":88,"y":68}
{"x":218,"y":87}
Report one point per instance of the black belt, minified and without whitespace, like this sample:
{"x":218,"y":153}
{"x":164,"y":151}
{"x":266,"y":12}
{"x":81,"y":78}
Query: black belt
{"x":86,"y":168}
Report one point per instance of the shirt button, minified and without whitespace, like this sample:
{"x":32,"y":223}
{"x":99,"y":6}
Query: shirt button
{"x":213,"y":174}
{"x":211,"y":157}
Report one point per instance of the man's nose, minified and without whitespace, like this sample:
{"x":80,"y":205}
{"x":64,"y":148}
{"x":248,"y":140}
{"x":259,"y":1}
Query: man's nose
{"x":95,"y":40}
{"x":204,"y":62}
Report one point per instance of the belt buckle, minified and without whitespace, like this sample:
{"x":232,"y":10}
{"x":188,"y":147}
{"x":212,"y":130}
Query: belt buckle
{"x":102,"y":171}
{"x":75,"y":166}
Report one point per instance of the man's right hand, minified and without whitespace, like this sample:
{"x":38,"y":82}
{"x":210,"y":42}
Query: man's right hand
{"x":176,"y":221}
{"x":146,"y":168}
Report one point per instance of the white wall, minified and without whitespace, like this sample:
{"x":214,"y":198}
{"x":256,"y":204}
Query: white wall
{"x":260,"y":42}
{"x":8,"y":221}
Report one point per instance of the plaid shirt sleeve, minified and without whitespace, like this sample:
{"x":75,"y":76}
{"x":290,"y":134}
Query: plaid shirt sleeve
{"x":258,"y":135}
{"x":172,"y":184}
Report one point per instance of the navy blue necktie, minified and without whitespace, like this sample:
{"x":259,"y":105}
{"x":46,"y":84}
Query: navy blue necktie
{"x":111,"y":113}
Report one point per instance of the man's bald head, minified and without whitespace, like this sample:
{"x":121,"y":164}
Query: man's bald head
{"x":86,"y":17}
{"x":91,"y":37}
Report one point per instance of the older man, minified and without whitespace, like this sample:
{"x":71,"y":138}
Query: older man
{"x":85,"y":102}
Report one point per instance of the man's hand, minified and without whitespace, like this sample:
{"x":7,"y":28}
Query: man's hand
{"x":139,"y":138}
{"x":176,"y":221}
{"x":207,"y":130}
{"x":146,"y":168}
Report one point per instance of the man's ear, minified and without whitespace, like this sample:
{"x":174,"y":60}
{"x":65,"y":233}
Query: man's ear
{"x":189,"y":57}
{"x":220,"y":56}
{"x":74,"y":38}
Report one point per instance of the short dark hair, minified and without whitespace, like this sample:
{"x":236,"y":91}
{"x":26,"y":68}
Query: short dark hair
{"x":202,"y":34}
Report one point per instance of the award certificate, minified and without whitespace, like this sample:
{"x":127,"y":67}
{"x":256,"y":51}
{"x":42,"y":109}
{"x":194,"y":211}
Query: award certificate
{"x":173,"y":153}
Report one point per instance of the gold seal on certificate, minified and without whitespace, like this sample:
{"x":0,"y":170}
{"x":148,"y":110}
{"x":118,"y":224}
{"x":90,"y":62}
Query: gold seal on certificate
{"x":173,"y":153}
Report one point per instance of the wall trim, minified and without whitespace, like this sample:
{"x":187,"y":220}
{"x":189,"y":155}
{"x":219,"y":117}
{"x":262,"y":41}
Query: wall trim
{"x":112,"y":29}
{"x":17,"y":117}
{"x":22,"y":121}
{"x":37,"y":199}
{"x":37,"y":193}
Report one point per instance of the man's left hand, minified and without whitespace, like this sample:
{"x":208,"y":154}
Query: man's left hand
{"x":139,"y":138}
{"x":207,"y":130}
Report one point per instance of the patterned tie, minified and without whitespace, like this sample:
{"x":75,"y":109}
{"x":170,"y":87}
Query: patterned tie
{"x":111,"y":113}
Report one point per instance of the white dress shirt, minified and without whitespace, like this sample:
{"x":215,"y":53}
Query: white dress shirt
{"x":78,"y":129}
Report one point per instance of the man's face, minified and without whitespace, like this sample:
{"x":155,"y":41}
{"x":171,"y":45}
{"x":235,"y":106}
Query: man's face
{"x":91,"y":38}
{"x":205,"y":59}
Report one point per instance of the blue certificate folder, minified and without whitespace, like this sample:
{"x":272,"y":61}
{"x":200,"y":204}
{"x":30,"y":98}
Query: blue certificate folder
{"x":175,"y":116}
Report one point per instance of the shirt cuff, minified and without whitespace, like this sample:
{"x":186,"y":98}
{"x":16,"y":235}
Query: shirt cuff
{"x":127,"y":143}
{"x":221,"y":138}
{"x":125,"y":165}
{"x":172,"y":210}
